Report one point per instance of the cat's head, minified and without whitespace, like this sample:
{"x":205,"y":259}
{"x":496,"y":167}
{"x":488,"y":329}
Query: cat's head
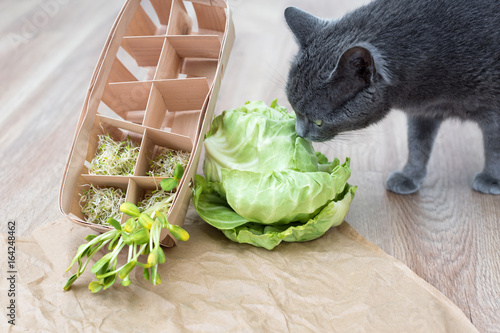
{"x":336,"y":81}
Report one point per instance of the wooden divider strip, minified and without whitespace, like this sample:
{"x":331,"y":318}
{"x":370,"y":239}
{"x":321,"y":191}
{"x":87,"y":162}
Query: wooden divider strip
{"x":218,"y":3}
{"x":120,"y":73}
{"x":141,"y":24}
{"x":136,"y":117}
{"x":183,"y":94}
{"x":128,"y":96}
{"x":185,"y":122}
{"x":156,"y":109}
{"x":107,"y":181}
{"x":210,"y":17}
{"x":120,"y":124}
{"x":196,"y":46}
{"x":179,"y":22}
{"x":145,"y":50}
{"x":162,"y":9}
{"x":194,"y":67}
{"x":170,"y":140}
{"x":169,"y":64}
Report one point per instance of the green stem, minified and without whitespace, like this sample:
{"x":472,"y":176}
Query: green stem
{"x":160,"y":205}
{"x":91,"y":255}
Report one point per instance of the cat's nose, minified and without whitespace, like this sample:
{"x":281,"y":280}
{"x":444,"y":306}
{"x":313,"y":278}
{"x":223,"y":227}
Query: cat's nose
{"x":300,"y":129}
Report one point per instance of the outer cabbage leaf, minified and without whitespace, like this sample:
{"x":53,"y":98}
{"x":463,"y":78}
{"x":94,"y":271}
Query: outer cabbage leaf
{"x":279,"y":197}
{"x":270,"y":236}
{"x":212,"y":208}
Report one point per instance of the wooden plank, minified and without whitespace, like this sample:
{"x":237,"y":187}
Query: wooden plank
{"x":128,"y":96}
{"x":185,"y":123}
{"x":141,"y":24}
{"x":183,"y":94}
{"x":175,"y":141}
{"x":179,"y":22}
{"x":145,"y":50}
{"x":195,"y":46}
{"x":210,"y":17}
{"x":169,"y":64}
{"x":155,"y":110}
{"x":218,"y":3}
{"x":162,"y":8}
{"x":200,"y":68}
{"x":120,"y":73}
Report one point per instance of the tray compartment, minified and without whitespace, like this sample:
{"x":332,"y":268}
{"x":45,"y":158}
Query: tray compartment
{"x":99,"y":182}
{"x":117,"y":130}
{"x":128,"y":100}
{"x":175,"y":105}
{"x":153,"y":143}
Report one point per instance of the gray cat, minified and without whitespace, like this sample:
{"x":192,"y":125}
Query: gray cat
{"x":433,"y":59}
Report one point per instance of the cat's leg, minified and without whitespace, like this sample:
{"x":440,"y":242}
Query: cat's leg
{"x":421,"y":135}
{"x":488,"y":181}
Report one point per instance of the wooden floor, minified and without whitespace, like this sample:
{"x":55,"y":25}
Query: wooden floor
{"x":448,"y":234}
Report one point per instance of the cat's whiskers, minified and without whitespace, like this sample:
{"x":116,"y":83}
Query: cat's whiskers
{"x":276,"y":77}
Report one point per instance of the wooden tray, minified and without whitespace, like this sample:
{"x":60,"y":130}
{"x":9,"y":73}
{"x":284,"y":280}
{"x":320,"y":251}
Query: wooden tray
{"x":157,"y":82}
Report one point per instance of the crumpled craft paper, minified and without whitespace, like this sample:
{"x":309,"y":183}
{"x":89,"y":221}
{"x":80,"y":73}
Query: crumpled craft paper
{"x":337,"y":283}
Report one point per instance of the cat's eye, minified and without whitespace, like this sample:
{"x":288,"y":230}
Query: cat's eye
{"x":318,"y":122}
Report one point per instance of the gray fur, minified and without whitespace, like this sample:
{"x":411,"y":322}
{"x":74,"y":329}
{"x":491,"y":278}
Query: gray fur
{"x":433,"y":59}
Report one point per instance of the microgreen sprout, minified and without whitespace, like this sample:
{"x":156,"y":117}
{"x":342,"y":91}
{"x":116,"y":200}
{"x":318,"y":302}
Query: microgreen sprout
{"x":116,"y":158}
{"x":163,"y":165}
{"x":141,"y":234}
{"x":153,"y":199}
{"x":99,"y":204}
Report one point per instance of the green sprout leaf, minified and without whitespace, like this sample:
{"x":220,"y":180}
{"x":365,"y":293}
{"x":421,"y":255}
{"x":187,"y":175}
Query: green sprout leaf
{"x":70,"y":281}
{"x":126,"y":282}
{"x":161,"y":256}
{"x":161,"y":218}
{"x":168,"y":184}
{"x":125,"y":271}
{"x":153,"y":258}
{"x":140,"y":237}
{"x":95,"y":286}
{"x":130,"y":225}
{"x":146,"y":221}
{"x":130,"y":209}
{"x":114,"y":223}
{"x":88,"y":238}
{"x":178,"y":232}
{"x":109,"y":281}
{"x":100,"y":263}
{"x":178,"y":172}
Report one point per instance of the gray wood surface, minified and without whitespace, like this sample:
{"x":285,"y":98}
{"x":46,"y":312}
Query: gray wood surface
{"x":446,"y":233}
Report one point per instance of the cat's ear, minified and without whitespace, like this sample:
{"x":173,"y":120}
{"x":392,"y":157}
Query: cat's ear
{"x":301,"y":23}
{"x":357,"y":64}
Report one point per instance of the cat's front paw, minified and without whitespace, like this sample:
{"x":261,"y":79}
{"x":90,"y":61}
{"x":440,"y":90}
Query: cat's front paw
{"x":399,"y":183}
{"x":486,"y":184}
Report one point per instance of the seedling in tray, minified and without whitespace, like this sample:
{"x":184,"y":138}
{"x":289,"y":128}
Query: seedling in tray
{"x":163,"y":165}
{"x":115,"y":158}
{"x":100,"y":204}
{"x":141,"y":233}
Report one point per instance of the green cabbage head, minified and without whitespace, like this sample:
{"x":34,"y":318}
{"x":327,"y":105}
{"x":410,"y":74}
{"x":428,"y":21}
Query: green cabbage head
{"x":264,"y":184}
